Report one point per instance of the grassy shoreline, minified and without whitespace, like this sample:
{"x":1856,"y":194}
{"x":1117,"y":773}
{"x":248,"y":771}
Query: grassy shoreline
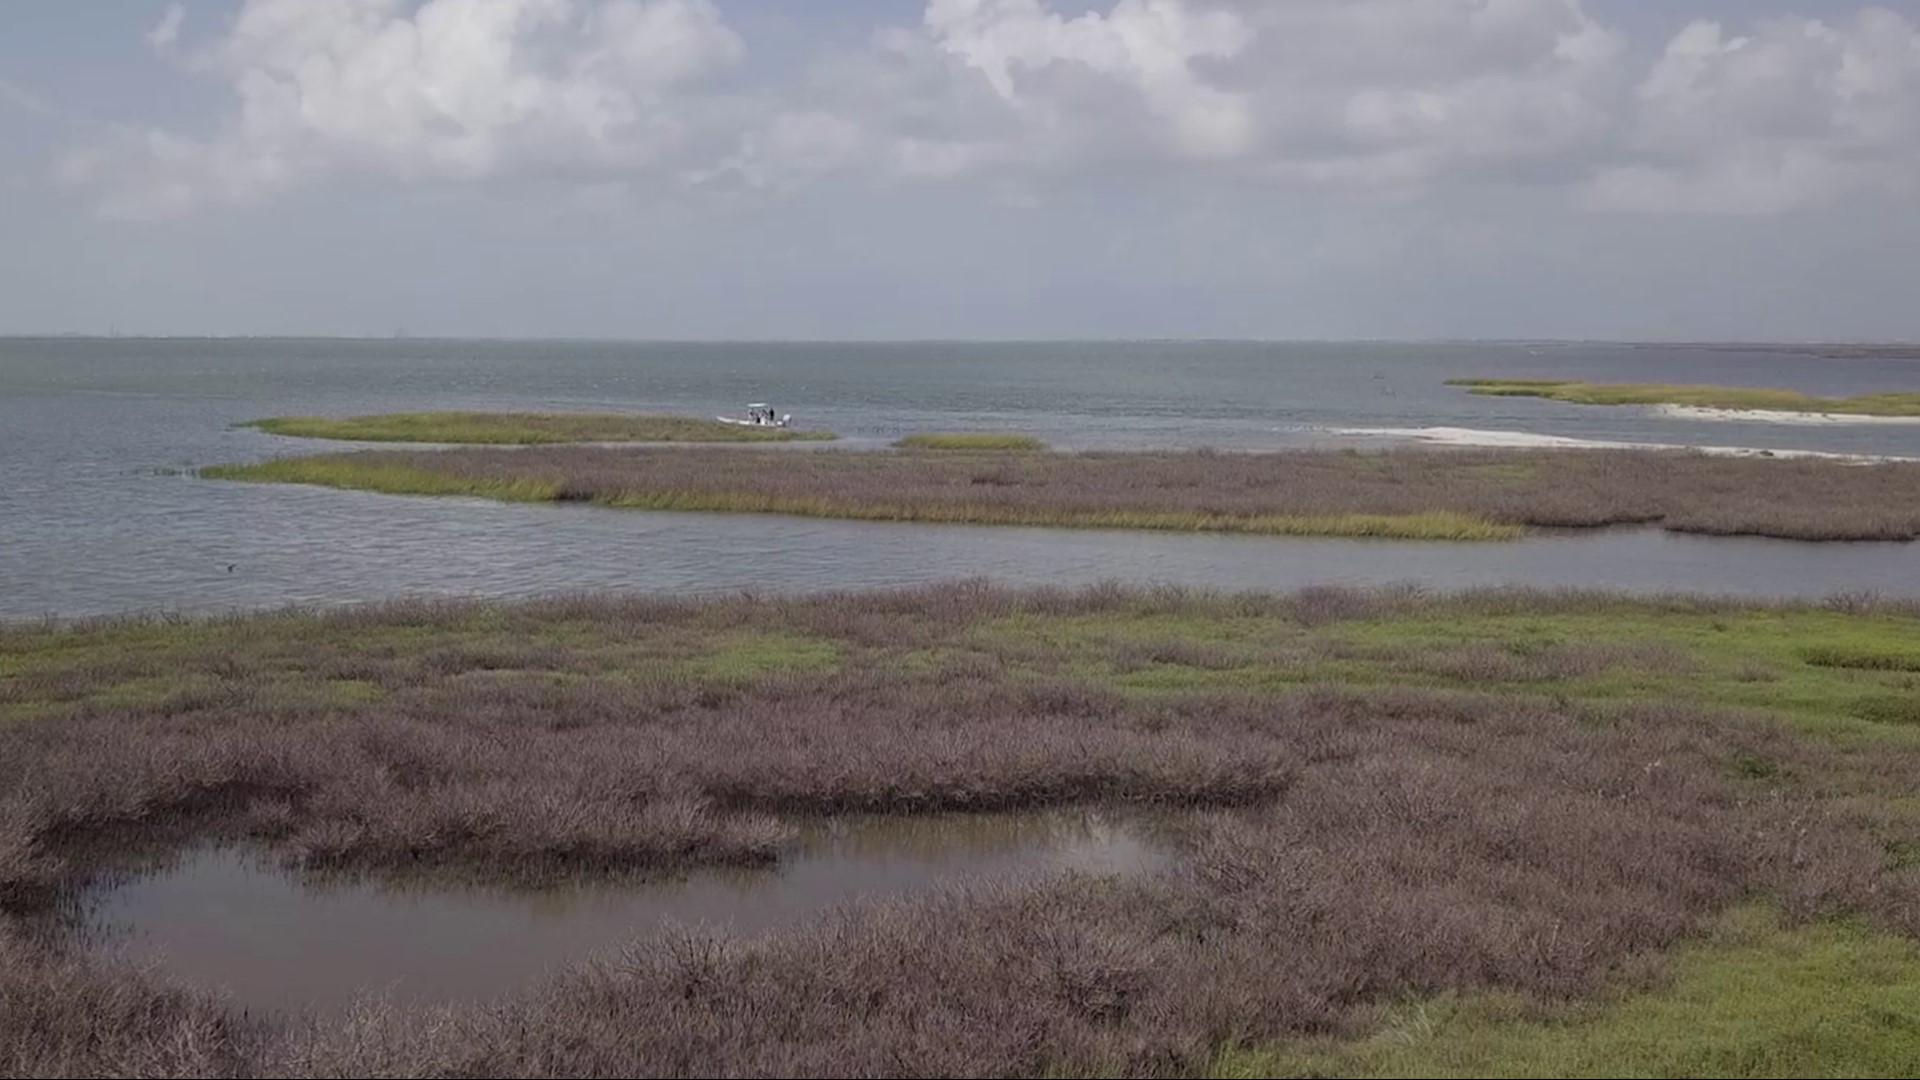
{"x":1499,"y":803}
{"x":1455,"y":495}
{"x":1728,"y":398}
{"x":404,"y":480}
{"x":525,"y":429}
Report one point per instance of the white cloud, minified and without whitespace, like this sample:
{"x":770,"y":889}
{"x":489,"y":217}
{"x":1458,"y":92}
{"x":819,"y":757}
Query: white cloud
{"x":1386,"y":94}
{"x":1400,"y":96}
{"x":166,"y":33}
{"x":445,"y":89}
{"x":1397,"y":94}
{"x":155,"y":174}
{"x":787,"y":151}
{"x":1381,"y":97}
{"x":1798,"y":113}
{"x":1146,"y":50}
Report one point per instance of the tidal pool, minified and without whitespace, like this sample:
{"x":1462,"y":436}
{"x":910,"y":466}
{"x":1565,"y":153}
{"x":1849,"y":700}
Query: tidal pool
{"x":229,"y":920}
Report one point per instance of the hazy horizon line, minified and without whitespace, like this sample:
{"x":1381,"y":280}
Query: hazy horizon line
{"x":1823,"y":342}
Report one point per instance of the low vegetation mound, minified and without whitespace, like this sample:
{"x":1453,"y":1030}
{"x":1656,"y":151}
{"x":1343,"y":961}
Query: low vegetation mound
{"x":1701,"y":397}
{"x":1406,"y":494}
{"x":526,"y":428}
{"x":1381,"y":798}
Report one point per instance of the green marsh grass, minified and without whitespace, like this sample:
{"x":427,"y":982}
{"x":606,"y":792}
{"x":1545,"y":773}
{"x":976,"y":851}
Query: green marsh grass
{"x":1407,"y":494}
{"x":1706,"y":397}
{"x":343,"y":471}
{"x":525,"y":429}
{"x":360,"y":473}
{"x":1757,"y":999}
{"x":1862,"y":657}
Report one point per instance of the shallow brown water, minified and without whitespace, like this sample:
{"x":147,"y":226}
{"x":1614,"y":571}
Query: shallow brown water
{"x":224,"y":919}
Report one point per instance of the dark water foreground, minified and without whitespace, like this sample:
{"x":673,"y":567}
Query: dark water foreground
{"x":225,"y":919}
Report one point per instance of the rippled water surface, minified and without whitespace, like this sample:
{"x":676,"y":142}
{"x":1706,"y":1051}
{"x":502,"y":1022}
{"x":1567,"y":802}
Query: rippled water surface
{"x":92,"y":521}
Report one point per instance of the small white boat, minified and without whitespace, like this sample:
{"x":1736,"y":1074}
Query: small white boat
{"x":759,"y":414}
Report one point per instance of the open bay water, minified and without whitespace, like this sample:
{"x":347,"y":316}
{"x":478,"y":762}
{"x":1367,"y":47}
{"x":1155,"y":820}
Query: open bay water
{"x":99,"y":512}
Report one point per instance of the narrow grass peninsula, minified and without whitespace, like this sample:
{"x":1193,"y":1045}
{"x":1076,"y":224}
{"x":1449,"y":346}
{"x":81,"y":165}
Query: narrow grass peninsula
{"x":1400,"y":494}
{"x":1712,"y":398}
{"x":526,"y":428}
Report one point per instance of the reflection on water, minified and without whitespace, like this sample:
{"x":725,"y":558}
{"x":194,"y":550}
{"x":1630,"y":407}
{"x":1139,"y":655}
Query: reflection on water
{"x":222,"y":918}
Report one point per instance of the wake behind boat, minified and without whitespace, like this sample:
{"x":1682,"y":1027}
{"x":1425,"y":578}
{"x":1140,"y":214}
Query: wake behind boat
{"x":759,"y":414}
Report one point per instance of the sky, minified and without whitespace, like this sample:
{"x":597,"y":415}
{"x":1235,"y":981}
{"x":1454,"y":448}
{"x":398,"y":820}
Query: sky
{"x":972,"y":169}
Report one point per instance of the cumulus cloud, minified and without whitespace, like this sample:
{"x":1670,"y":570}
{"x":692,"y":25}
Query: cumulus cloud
{"x":1038,"y":61}
{"x":1401,"y":96}
{"x":1399,"y":93}
{"x":446,"y":89}
{"x":1389,"y":97}
{"x":1798,"y":113}
{"x":1378,"y":93}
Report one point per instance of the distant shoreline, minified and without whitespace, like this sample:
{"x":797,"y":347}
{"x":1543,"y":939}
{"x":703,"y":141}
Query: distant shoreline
{"x":530,"y":429}
{"x":1774,"y":416}
{"x":1528,"y":440}
{"x":1735,"y":401}
{"x":1831,"y":350}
